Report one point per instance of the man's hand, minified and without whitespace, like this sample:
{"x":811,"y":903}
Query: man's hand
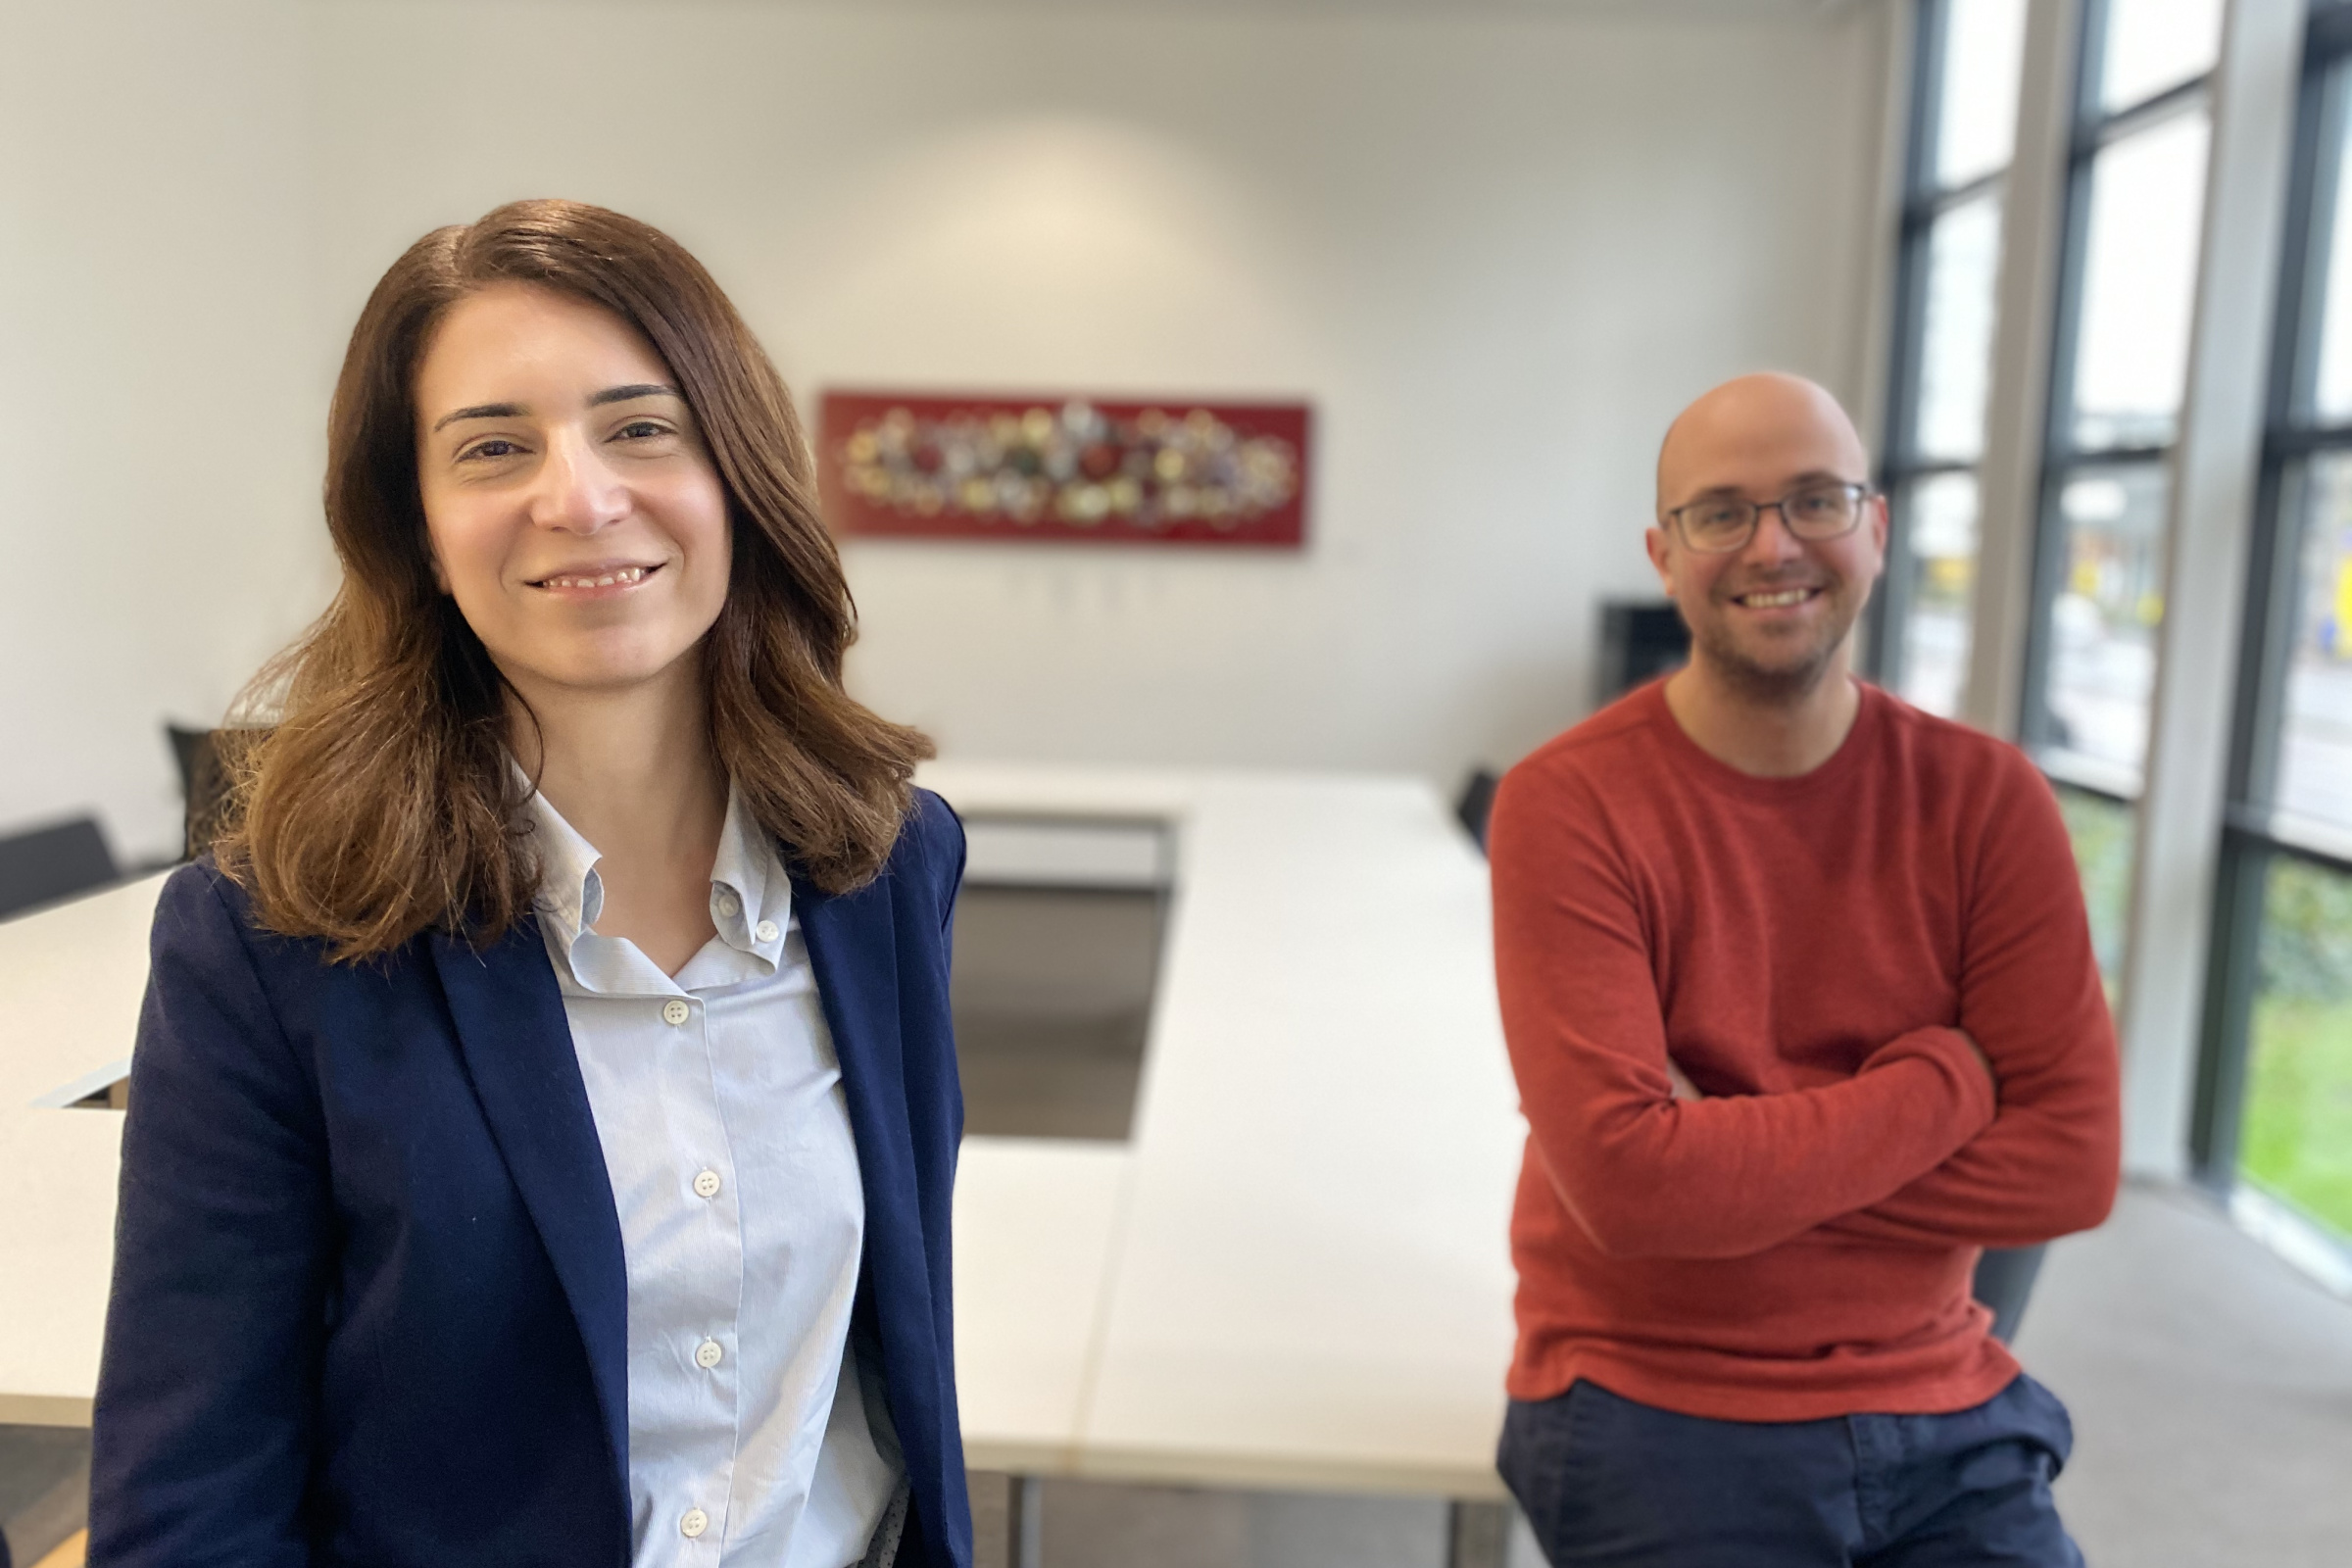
{"x":1685,"y":1088}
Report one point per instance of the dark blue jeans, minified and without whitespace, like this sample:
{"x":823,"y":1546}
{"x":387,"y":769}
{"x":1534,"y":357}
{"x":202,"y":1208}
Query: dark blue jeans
{"x":1608,"y":1483}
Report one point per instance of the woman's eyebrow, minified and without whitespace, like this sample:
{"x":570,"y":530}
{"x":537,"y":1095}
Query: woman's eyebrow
{"x":640,"y":389}
{"x":480,"y":411}
{"x":597,"y":400}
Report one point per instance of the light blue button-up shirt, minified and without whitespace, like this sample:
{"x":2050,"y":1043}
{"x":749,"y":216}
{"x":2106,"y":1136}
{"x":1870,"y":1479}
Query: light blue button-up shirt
{"x":719,"y":1103}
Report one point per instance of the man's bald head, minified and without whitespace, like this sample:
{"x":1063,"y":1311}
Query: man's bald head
{"x":1757,"y":431}
{"x":1771,"y":617}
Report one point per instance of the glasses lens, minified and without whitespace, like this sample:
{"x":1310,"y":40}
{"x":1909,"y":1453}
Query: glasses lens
{"x":1716,"y":526}
{"x":1824,"y":512}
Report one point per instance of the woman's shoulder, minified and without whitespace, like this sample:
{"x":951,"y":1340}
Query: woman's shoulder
{"x":931,"y":833}
{"x":935,"y":833}
{"x":934,"y":816}
{"x":206,"y":917}
{"x":202,"y":903}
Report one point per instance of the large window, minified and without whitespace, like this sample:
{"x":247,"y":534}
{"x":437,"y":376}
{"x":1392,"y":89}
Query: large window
{"x":2275,"y":1107}
{"x":1963,"y":122}
{"x":2120,"y":361}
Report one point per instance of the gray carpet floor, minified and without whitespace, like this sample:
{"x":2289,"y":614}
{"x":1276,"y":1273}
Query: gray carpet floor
{"x":2211,"y":1386}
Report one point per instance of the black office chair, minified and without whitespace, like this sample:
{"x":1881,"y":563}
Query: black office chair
{"x":2004,"y":1279}
{"x":1640,"y":639}
{"x":1477,"y":804}
{"x":203,"y":782}
{"x":48,"y":864}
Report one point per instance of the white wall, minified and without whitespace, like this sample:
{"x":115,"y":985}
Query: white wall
{"x":159,"y":455}
{"x":1495,"y":250}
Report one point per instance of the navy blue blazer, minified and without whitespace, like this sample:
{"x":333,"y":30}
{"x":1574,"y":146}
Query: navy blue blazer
{"x":369,"y":1304}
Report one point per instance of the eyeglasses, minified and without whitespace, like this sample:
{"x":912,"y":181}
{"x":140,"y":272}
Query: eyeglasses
{"x":1722,"y":524}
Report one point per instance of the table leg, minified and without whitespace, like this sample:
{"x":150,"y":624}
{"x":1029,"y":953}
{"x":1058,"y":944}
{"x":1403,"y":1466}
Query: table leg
{"x":1025,"y":1520}
{"x":1478,"y":1534}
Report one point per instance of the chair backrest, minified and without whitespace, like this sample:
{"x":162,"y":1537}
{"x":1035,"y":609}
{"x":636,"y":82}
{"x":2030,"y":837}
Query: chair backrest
{"x":50,"y":864}
{"x":1639,"y":640}
{"x":203,"y":782}
{"x":192,"y":750}
{"x":1477,"y":804}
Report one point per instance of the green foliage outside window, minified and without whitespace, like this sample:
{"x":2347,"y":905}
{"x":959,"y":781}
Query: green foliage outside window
{"x":2297,"y":1136}
{"x":2102,"y":831}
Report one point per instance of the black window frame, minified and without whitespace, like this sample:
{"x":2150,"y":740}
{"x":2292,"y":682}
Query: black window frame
{"x":1901,"y":466}
{"x":2096,"y":128}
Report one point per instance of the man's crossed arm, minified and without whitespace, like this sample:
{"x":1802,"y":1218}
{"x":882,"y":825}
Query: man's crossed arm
{"x":1912,"y":1148}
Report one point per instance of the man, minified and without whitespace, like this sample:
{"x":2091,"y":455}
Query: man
{"x":1800,"y":998}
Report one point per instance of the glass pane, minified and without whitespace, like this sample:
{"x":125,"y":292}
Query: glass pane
{"x":1984,"y":42}
{"x":2102,"y":831}
{"x":2331,"y":393}
{"x":1938,"y":515}
{"x":1955,"y":349}
{"x":2297,"y":1136}
{"x":2139,"y":274}
{"x":2155,"y":44}
{"x":2315,"y":739}
{"x":2103,"y":617}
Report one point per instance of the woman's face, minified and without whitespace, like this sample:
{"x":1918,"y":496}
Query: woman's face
{"x":571,"y":506}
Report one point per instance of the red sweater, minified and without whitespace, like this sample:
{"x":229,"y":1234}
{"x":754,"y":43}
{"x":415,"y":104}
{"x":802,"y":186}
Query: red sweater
{"x":1799,"y":1242}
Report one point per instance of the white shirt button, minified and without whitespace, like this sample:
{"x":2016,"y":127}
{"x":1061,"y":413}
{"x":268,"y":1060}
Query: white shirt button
{"x":705,"y":1184}
{"x":708,"y":1354}
{"x":767,"y":932}
{"x":693,"y":1524}
{"x":728,"y":904}
{"x":674,"y":1012}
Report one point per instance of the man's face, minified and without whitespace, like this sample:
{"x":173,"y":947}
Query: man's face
{"x":1771,"y":616}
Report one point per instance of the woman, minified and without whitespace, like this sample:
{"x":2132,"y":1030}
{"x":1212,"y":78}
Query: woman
{"x":545,"y":1109}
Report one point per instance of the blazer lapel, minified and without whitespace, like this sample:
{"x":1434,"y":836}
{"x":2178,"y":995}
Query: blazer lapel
{"x":853,"y":947}
{"x":517,"y":1047}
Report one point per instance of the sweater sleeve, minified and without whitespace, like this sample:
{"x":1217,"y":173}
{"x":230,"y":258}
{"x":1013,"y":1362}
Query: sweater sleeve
{"x":2030,"y":995}
{"x":1646,"y":1175}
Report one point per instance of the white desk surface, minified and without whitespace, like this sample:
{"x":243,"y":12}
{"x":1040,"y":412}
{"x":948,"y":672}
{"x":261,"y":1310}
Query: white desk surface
{"x":1297,"y":1272}
{"x":1311,"y":1283}
{"x":71,"y":980}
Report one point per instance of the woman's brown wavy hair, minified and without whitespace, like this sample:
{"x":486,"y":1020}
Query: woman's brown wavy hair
{"x":371,"y":795}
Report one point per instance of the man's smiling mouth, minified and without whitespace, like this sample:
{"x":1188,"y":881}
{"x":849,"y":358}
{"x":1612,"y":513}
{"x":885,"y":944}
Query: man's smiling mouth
{"x":1775,"y":598}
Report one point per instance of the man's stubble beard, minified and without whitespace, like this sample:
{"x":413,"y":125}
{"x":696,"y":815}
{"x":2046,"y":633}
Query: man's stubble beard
{"x":1768,"y":685}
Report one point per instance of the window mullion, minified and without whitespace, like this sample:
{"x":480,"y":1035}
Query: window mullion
{"x":2216,"y":468}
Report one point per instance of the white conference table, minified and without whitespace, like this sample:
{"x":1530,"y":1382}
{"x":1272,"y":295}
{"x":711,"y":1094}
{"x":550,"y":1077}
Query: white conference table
{"x":1294,"y":1274}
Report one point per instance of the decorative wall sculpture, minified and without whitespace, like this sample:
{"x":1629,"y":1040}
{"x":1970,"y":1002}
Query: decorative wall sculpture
{"x":1064,"y":469}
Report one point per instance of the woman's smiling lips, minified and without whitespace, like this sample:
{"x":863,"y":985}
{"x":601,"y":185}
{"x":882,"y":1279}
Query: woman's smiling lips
{"x":604,"y":579}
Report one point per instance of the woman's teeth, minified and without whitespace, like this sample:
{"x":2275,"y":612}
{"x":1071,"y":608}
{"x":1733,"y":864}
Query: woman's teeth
{"x":626,"y":574}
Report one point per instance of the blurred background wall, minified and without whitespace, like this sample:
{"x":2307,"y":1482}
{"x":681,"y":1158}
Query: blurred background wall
{"x":1496,"y":247}
{"x":161,"y":402}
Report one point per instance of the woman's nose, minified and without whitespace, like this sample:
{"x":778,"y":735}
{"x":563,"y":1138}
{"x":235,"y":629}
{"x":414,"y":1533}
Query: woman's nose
{"x":576,"y":491}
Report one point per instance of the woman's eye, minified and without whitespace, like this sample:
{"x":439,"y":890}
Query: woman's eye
{"x":492,"y":449}
{"x":641,"y":430}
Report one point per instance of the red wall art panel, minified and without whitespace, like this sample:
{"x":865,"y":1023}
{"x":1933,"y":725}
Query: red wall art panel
{"x":1064,"y":469}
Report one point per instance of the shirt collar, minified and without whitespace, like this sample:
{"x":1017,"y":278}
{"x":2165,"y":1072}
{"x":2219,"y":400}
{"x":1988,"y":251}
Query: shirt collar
{"x":750,"y":895}
{"x":571,"y":894}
